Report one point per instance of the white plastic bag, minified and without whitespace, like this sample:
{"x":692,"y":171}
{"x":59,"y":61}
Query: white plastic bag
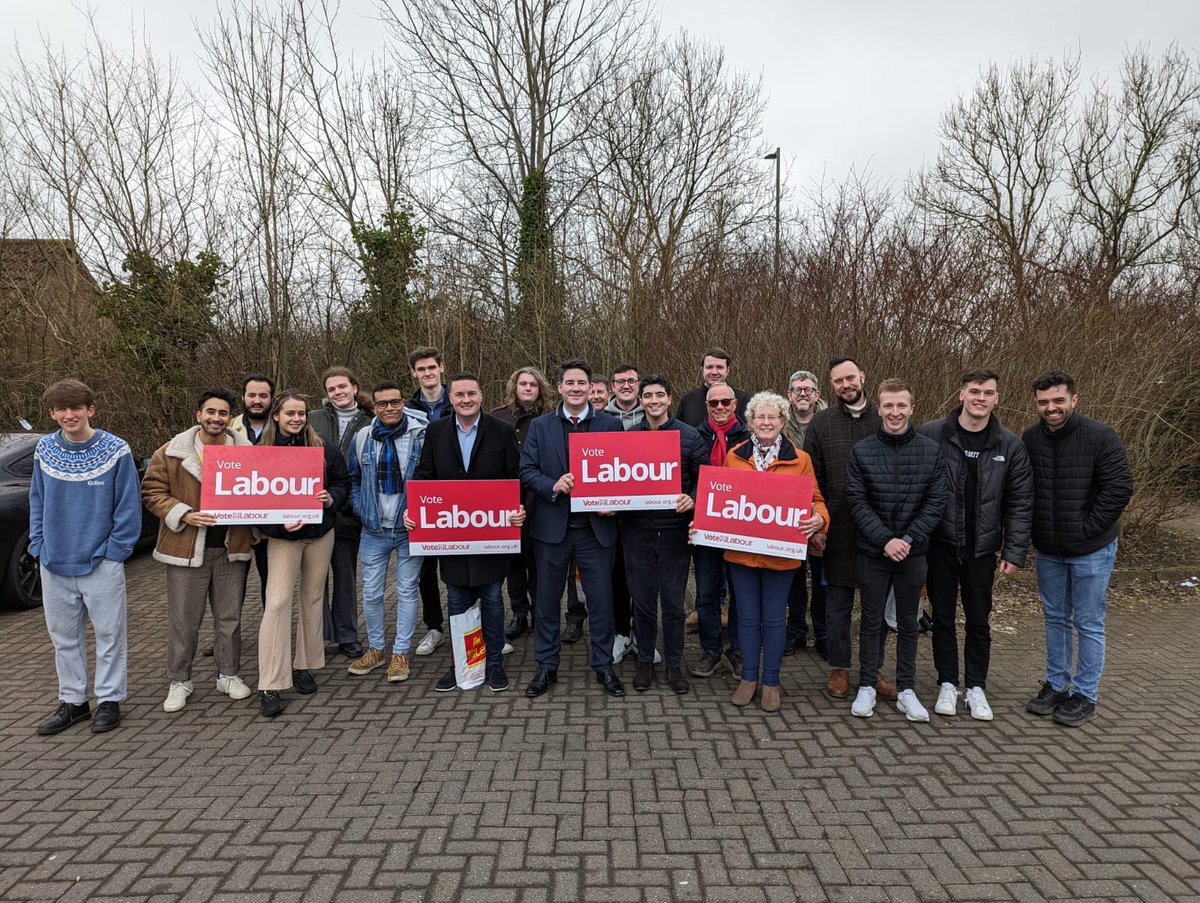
{"x":470,"y":652}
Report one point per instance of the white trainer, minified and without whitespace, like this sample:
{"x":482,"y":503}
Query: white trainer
{"x":864,"y":703}
{"x":429,"y":642}
{"x":177,"y":695}
{"x":234,"y":687}
{"x":508,"y":647}
{"x":978,"y":704}
{"x":947,"y":701}
{"x":657,"y":657}
{"x":621,"y":645}
{"x":908,"y":703}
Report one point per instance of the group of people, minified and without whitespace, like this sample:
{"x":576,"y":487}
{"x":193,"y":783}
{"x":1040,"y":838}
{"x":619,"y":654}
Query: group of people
{"x":895,"y":510}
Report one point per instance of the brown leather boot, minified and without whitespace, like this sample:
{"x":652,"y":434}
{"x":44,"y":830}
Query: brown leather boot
{"x":884,"y":689}
{"x":770,"y":699}
{"x":839,"y":683}
{"x":744,"y":694}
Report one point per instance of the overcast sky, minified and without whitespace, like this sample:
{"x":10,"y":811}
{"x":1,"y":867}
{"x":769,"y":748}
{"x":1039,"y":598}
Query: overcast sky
{"x":856,"y":84}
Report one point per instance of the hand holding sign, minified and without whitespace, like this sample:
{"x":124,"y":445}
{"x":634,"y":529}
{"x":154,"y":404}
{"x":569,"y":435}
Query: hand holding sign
{"x":636,"y":471}
{"x":565,"y":484}
{"x":754,"y":512}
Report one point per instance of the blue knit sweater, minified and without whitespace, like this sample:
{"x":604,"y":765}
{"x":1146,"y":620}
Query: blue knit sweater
{"x":84,"y":503}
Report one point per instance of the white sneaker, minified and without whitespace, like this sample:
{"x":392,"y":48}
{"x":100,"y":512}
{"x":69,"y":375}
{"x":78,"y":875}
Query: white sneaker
{"x":234,"y":687}
{"x":508,"y":647}
{"x":978,"y":704}
{"x":429,"y":642}
{"x":621,"y":645}
{"x":177,"y":695}
{"x":947,"y":701}
{"x":864,"y":703}
{"x":908,"y":703}
{"x":657,"y":657}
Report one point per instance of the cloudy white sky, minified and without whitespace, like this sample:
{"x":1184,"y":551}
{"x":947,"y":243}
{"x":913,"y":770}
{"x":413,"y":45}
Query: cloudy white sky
{"x":852,"y":84}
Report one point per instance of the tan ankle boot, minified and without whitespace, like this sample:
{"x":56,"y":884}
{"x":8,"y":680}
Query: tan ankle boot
{"x":770,"y":699}
{"x":744,"y":694}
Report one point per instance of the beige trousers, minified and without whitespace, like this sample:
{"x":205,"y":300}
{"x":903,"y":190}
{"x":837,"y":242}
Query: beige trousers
{"x":309,"y":558}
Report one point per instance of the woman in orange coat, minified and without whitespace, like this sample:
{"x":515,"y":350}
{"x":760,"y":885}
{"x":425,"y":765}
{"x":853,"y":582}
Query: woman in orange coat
{"x":761,"y":582}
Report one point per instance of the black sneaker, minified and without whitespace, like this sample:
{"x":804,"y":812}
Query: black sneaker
{"x":351,"y":650}
{"x":1047,"y":700}
{"x":572,"y":633}
{"x":1076,"y":710}
{"x":304,"y":682}
{"x":64,"y":716}
{"x":446,"y":682}
{"x":516,"y":627}
{"x":269,"y":703}
{"x":734,"y":660}
{"x":108,"y":716}
{"x":497,"y":680}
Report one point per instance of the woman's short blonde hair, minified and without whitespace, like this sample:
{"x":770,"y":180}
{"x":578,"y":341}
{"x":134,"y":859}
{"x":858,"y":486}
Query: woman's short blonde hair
{"x":767,"y":400}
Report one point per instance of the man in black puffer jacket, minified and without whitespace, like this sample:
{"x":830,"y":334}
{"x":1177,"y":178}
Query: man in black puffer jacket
{"x":896,"y":489}
{"x":1082,"y":483}
{"x":990,"y":508}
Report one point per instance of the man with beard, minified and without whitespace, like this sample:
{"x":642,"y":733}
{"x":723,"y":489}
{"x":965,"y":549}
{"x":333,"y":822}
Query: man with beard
{"x":714,"y":368}
{"x":258,"y":395}
{"x":828,"y":440}
{"x":206,"y":563}
{"x":989,"y":513}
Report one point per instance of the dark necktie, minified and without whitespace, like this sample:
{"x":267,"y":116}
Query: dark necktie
{"x":574,"y":421}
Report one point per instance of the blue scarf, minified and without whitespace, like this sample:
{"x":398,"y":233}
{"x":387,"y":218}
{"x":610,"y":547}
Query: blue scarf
{"x":391,"y":479}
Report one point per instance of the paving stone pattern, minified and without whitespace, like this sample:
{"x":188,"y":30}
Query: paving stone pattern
{"x":369,"y":792}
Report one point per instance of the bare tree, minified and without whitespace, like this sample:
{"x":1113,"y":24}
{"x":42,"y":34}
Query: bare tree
{"x":1135,"y":165}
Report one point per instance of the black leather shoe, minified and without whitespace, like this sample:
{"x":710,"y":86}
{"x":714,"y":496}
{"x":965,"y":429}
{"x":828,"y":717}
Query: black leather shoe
{"x":351,"y":650}
{"x":269,"y":703}
{"x":304,"y":682}
{"x":541,"y":682}
{"x":516,"y":627}
{"x":447,"y":682}
{"x":643,"y":676}
{"x":572,"y":633}
{"x":612,"y":683}
{"x":108,"y":716}
{"x":64,"y":716}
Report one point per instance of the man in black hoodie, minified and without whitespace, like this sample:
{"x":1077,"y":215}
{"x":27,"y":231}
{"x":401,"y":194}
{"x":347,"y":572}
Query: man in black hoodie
{"x":990,"y":509}
{"x":1082,"y":483}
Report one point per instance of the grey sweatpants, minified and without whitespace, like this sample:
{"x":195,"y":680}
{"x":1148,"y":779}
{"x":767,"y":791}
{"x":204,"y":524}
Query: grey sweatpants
{"x":68,"y":604}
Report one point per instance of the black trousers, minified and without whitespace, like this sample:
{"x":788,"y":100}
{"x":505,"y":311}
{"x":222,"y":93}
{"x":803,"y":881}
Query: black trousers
{"x":798,"y":603}
{"x":522,"y":578}
{"x":260,"y":565}
{"x":876,"y":575}
{"x":431,"y":596}
{"x":950,"y":572}
{"x":656,"y":562}
{"x":595,"y":567}
{"x":341,"y":606}
{"x":622,"y":607}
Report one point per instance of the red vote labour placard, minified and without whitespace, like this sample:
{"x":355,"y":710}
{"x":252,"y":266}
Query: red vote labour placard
{"x":625,"y":471}
{"x":253,"y":484}
{"x":752,"y":511}
{"x":463,"y":517}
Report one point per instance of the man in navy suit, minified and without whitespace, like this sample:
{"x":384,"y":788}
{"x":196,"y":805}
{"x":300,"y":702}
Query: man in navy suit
{"x":560,"y":534}
{"x":472,"y":445}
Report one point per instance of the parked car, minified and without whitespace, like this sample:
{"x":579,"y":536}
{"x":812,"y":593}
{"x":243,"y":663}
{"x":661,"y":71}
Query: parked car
{"x":20,"y":577}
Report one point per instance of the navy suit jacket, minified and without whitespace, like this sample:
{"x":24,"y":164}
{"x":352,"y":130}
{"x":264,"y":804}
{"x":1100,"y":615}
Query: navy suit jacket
{"x":543,"y":461}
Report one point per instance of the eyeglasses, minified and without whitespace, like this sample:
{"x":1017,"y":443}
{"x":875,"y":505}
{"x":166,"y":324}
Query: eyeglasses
{"x":384,"y":405}
{"x":803,"y":390}
{"x":624,"y":382}
{"x":720,"y":402}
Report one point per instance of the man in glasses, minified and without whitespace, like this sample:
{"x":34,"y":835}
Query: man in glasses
{"x":722,"y":429}
{"x":625,"y":405}
{"x":804,"y":395}
{"x":714,"y":368}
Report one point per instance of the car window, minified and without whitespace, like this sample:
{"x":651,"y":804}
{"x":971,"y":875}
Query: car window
{"x":22,"y":467}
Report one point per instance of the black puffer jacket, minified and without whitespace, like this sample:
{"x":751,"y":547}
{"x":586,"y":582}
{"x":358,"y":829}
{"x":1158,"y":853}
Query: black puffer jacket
{"x":336,"y":483}
{"x":325,"y":421}
{"x":896,"y":488}
{"x":1005,"y":501}
{"x":693,"y":454}
{"x":1082,"y":483}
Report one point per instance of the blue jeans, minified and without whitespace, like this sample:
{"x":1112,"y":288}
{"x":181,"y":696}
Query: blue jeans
{"x":710,"y":575}
{"x":491,"y":615}
{"x":762,"y":597}
{"x":1074,"y":594}
{"x":374,"y":553}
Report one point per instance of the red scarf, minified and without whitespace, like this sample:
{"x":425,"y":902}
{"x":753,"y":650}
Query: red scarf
{"x":720,"y":447}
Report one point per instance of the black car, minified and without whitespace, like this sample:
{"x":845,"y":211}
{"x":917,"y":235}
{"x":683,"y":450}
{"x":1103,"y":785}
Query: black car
{"x":20,"y":578}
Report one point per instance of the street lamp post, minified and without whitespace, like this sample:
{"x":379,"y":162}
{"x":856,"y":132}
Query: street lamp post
{"x":777,"y":157}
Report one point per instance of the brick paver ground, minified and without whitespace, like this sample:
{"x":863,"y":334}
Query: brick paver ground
{"x":370,"y":792}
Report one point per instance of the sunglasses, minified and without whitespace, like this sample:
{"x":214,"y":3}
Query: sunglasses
{"x":720,"y":402}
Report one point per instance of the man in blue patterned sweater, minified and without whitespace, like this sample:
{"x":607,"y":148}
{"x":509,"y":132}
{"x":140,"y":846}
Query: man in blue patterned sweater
{"x":85,"y":514}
